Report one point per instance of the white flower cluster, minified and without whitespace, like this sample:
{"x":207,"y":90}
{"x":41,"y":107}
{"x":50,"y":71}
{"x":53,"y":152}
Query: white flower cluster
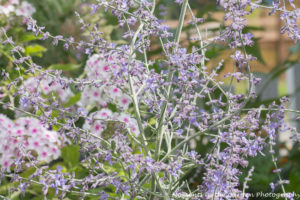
{"x":101,"y":69}
{"x":47,"y":86}
{"x":101,"y":117}
{"x":26,"y":134}
{"x":24,"y":9}
{"x":34,"y":86}
{"x":98,"y":69}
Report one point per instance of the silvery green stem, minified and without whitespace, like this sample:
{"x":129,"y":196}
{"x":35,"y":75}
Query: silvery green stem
{"x":169,"y":79}
{"x":278,"y":174}
{"x":169,"y":88}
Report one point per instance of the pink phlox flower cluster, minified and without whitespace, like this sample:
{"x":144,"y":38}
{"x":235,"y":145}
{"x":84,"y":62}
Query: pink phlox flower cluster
{"x":23,"y":9}
{"x":130,"y":122}
{"x":46,"y":86}
{"x":98,"y":124}
{"x":98,"y":67}
{"x":103,"y":70}
{"x":35,"y":86}
{"x":93,"y":96}
{"x":26,"y":135}
{"x":99,"y":119}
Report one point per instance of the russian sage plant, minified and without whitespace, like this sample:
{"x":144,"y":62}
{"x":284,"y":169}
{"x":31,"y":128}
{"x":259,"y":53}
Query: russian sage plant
{"x":131,"y":118}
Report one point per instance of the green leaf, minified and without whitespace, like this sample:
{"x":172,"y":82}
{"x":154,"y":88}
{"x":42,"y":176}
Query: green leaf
{"x":73,"y":100}
{"x":152,"y":121}
{"x":28,"y":172}
{"x":35,"y":50}
{"x":74,"y":89}
{"x":70,"y":155}
{"x":65,"y":67}
{"x":255,"y":51}
{"x":113,"y":145}
{"x":27,"y":37}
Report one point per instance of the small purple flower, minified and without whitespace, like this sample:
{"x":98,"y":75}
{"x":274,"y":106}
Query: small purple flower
{"x":24,"y":102}
{"x":56,"y":39}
